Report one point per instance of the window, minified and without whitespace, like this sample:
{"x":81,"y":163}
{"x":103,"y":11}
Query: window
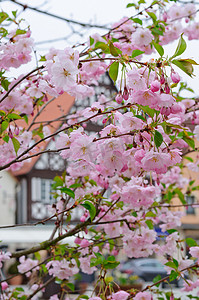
{"x":41,"y":190}
{"x":190,"y":199}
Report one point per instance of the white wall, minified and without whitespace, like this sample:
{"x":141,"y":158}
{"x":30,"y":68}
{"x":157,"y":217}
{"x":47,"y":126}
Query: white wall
{"x":7,"y":198}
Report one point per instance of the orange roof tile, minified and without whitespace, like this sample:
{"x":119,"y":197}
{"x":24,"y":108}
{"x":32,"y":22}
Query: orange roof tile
{"x":60,"y":106}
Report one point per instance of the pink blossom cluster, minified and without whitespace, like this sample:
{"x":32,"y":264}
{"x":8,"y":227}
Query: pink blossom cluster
{"x":62,"y":269}
{"x":121,"y":171}
{"x":3,"y":257}
{"x":7,"y":149}
{"x":139,"y":243}
{"x":27,"y":265}
{"x":17,"y":51}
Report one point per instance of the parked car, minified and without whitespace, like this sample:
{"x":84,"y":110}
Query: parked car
{"x":147,"y":269}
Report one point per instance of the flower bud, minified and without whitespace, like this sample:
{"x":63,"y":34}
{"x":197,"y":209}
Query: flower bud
{"x":78,"y":240}
{"x":82,"y":219}
{"x":175,"y":77}
{"x":125,"y":94}
{"x":162,"y":80}
{"x":155,"y":86}
{"x":119,"y":98}
{"x":4,"y":285}
{"x":84,"y":243}
{"x":167,"y":89}
{"x":164,"y":16}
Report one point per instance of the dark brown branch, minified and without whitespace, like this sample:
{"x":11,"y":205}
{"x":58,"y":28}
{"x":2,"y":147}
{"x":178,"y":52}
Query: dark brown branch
{"x":40,"y":288}
{"x":167,"y":277}
{"x":39,"y":112}
{"x":61,"y":130}
{"x":39,"y":222}
{"x":31,"y":269}
{"x":46,"y":244}
{"x":18,"y":82}
{"x":112,"y":58}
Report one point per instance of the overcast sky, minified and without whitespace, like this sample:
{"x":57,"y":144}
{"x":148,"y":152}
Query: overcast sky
{"x":102,"y":12}
{"x":88,"y":11}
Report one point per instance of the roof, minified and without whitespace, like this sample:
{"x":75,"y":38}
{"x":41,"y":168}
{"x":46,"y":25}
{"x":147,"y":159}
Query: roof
{"x":54,"y":109}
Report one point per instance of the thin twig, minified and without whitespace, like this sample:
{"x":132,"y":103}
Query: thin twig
{"x":40,"y":288}
{"x":61,"y":130}
{"x":25,"y":6}
{"x":39,"y":112}
{"x":19,"y":81}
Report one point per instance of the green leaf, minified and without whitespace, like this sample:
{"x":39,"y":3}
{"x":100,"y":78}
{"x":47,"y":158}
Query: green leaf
{"x":180,"y":48}
{"x":188,"y":158}
{"x":158,"y":138}
{"x":26,"y":118}
{"x":14,"y":12}
{"x":130,"y":5}
{"x":20,"y":31}
{"x":101,"y":45}
{"x":58,"y":181}
{"x":71,"y":286}
{"x":173,"y":275}
{"x":3,"y":16}
{"x":180,"y":195}
{"x":113,"y":70}
{"x":175,"y":262}
{"x":14,"y":116}
{"x":91,"y":41}
{"x":149,"y":223}
{"x":95,"y":261}
{"x":20,"y":289}
{"x":170,"y":231}
{"x":184,"y":65}
{"x":3,"y":32}
{"x":150,"y":214}
{"x":193,"y":62}
{"x":137,"y":20}
{"x":158,"y":48}
{"x":156,"y":279}
{"x":2,"y":113}
{"x":92,"y":182}
{"x":111,"y":265}
{"x":16,"y":144}
{"x":82,"y":297}
{"x":191,"y":242}
{"x":189,"y":141}
{"x":153,"y":16}
{"x":91,"y":208}
{"x":134,"y":214}
{"x":195,"y":188}
{"x":68,"y":192}
{"x":5,"y":84}
{"x":4,"y":125}
{"x":157,"y":31}
{"x":42,"y":58}
{"x":113,"y":49}
{"x":149,"y":111}
{"x":140,"y":117}
{"x":171,"y":264}
{"x":136,"y":52}
{"x":191,"y":182}
{"x":75,"y":185}
{"x":6,"y":138}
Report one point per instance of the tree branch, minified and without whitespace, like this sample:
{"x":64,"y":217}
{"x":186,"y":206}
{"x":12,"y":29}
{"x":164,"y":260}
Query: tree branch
{"x":48,"y":243}
{"x":24,"y":77}
{"x":25,"y":6}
